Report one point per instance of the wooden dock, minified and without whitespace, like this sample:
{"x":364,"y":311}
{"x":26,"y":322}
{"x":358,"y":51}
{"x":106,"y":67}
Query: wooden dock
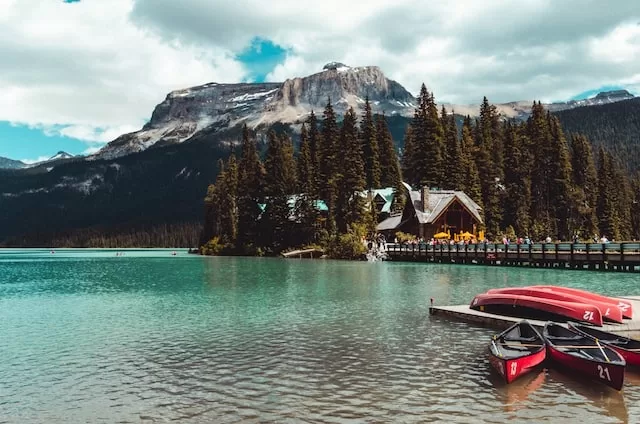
{"x":464,"y":313}
{"x":589,"y":256}
{"x":305,"y":253}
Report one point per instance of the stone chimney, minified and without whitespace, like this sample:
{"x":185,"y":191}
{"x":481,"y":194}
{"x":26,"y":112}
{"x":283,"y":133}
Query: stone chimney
{"x":424,"y":197}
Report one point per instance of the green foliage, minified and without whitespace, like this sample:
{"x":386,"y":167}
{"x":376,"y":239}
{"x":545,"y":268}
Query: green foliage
{"x":215,"y":247}
{"x":370,"y":148}
{"x":350,"y":207}
{"x":425,"y":156}
{"x":402,"y":237}
{"x":348,"y":245}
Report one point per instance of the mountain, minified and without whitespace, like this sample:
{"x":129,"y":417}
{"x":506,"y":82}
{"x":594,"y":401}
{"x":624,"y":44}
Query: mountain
{"x":614,"y":126}
{"x":215,"y":107}
{"x":152,"y":182}
{"x":187,"y":114}
{"x":6,"y":163}
{"x":60,"y":155}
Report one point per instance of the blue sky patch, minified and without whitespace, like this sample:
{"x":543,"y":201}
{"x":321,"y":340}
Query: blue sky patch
{"x":21,"y":142}
{"x":261,"y":57}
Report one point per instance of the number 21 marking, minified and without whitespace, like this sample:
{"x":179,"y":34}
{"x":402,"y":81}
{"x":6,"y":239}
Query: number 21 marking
{"x":588,"y":315}
{"x":604,"y":373}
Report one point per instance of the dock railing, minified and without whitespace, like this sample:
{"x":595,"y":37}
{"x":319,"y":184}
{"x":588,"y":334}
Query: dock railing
{"x":618,"y":256}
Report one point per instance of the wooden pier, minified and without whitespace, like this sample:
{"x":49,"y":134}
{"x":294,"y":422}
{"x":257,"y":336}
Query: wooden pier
{"x":590,"y":256}
{"x":304,"y":253}
{"x":464,"y":313}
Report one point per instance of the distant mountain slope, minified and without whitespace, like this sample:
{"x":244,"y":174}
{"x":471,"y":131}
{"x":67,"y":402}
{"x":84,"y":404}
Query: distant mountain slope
{"x":6,"y":163}
{"x":615,"y":126}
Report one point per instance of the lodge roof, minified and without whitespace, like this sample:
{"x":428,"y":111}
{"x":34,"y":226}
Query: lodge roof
{"x":438,"y":202}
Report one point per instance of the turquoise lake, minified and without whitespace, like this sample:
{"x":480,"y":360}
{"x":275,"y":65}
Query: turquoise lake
{"x":132,"y":336}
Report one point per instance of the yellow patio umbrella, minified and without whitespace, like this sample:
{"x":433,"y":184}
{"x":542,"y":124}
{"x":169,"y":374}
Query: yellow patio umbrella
{"x":467,"y":235}
{"x":441,"y":235}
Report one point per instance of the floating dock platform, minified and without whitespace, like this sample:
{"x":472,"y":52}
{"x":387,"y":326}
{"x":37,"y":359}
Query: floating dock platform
{"x":464,"y":313}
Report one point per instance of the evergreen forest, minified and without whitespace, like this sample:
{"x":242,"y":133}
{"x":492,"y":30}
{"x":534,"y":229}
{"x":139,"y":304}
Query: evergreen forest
{"x":529,"y":177}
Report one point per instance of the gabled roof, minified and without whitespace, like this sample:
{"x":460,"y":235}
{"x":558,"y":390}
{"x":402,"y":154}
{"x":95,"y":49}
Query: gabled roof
{"x":439,"y":201}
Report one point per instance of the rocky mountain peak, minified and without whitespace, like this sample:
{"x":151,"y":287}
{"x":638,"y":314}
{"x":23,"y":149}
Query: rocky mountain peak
{"x":624,"y":94}
{"x":215,"y":106}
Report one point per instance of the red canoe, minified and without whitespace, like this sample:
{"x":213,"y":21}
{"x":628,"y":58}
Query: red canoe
{"x":628,"y":348}
{"x":574,"y":311}
{"x":574,"y":351}
{"x":516,"y":351}
{"x":625,"y":306}
{"x":609,"y":312}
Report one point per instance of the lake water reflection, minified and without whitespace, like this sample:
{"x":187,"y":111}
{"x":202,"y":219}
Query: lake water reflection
{"x":88,"y":336}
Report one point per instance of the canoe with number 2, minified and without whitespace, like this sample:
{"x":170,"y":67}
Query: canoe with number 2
{"x":623,"y":304}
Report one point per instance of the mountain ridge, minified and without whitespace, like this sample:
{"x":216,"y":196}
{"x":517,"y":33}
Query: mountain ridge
{"x":215,"y":106}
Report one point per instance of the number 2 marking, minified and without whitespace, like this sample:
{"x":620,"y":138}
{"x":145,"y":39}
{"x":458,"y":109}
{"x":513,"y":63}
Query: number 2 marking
{"x":604,"y":373}
{"x":514,"y":368}
{"x":588,"y":315}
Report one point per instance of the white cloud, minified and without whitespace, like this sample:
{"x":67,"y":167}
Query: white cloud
{"x":84,"y":70}
{"x":32,"y":161}
{"x":93,"y":69}
{"x":462,"y":49}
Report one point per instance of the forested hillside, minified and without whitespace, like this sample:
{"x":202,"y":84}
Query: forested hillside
{"x":615,"y":126}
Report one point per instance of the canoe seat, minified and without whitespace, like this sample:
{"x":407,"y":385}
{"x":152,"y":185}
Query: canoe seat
{"x":566,"y":338}
{"x":520,"y":339}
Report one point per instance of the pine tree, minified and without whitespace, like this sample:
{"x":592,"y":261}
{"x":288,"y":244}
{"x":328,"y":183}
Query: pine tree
{"x":221,"y":211}
{"x":607,"y":208}
{"x":328,"y":166}
{"x":370,"y":148}
{"x":289,"y":164}
{"x":427,"y":142}
{"x":488,"y":160}
{"x":586,"y":183}
{"x":542,"y":218}
{"x":453,"y":178}
{"x":305,"y":166}
{"x":276,"y":221}
{"x":517,"y":181}
{"x":469,"y":170}
{"x":350,"y":206}
{"x":305,"y":202}
{"x":251,"y":175}
{"x":408,"y":161}
{"x":561,"y":189}
{"x":389,"y":164}
{"x":314,"y":146}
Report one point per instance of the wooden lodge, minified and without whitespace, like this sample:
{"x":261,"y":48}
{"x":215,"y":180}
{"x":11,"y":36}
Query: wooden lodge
{"x":428,"y":212}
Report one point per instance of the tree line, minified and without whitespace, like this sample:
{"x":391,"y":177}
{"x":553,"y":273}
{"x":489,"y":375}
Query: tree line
{"x":529,"y":178}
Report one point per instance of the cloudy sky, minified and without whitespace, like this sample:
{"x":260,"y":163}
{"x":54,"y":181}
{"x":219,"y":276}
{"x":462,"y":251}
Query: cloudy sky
{"x":75,"y":74}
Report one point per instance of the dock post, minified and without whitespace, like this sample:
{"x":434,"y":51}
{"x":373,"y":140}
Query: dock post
{"x":571,"y":257}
